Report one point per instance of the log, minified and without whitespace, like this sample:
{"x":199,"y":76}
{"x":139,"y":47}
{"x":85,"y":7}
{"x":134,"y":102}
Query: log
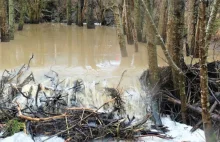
{"x":194,"y":108}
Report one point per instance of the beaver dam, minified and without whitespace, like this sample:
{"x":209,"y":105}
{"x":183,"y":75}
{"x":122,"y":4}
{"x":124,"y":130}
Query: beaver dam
{"x":76,"y":86}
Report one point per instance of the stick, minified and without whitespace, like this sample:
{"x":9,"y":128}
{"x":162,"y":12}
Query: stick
{"x":121,"y":78}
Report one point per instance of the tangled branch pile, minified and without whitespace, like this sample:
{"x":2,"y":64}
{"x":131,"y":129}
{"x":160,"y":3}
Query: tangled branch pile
{"x":171,"y":101}
{"x":49,"y":110}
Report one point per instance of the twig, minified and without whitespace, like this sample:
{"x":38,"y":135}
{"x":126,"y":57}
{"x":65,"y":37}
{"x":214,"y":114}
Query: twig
{"x":121,"y":78}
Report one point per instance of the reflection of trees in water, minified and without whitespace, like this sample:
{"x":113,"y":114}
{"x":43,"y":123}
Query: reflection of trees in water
{"x":70,"y":45}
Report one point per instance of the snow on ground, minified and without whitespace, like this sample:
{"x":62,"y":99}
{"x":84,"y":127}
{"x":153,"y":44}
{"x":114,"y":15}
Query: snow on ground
{"x":180,"y":133}
{"x":22,"y":137}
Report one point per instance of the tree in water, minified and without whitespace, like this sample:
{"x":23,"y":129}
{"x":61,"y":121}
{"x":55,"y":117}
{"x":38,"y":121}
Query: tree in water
{"x":34,"y":10}
{"x":80,"y":8}
{"x":175,"y":43}
{"x":90,"y":15}
{"x":4,"y":21}
{"x":138,"y":19}
{"x":153,"y":65}
{"x":162,"y":24}
{"x":11,"y":19}
{"x":119,"y":29}
{"x":129,"y":22}
{"x":69,"y":12}
{"x":21,"y":16}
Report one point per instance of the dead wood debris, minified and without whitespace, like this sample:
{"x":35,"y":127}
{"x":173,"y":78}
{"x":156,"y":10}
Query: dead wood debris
{"x":57,"y":119}
{"x":171,"y":101}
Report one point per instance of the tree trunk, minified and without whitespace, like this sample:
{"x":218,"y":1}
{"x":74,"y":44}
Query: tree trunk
{"x":124,"y":15}
{"x":204,"y":40}
{"x":196,"y":42}
{"x":119,"y":28}
{"x":21,"y":16}
{"x":135,"y":39}
{"x":11,"y":19}
{"x":4,"y":21}
{"x":153,"y":65}
{"x":35,"y":11}
{"x":69,"y":12}
{"x":162,"y":25}
{"x":129,"y":22}
{"x":191,"y":26}
{"x":80,"y":7}
{"x":175,"y":46}
{"x":90,"y":15}
{"x":138,"y":19}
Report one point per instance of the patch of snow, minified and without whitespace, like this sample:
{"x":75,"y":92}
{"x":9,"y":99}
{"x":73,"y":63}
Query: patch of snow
{"x":179,"y":132}
{"x":22,"y":137}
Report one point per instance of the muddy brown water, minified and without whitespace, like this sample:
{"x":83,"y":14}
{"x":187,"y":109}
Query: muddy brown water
{"x":61,"y":46}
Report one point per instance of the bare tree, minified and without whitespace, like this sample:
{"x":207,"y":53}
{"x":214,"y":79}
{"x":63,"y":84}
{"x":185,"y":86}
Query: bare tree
{"x":175,"y":45}
{"x":129,"y":22}
{"x":90,"y":15}
{"x":138,"y":19}
{"x":119,"y":28}
{"x":69,"y":12}
{"x":4,"y":21}
{"x":153,"y":64}
{"x":21,"y":16}
{"x":205,"y":36}
{"x":191,"y":25}
{"x":11,"y":19}
{"x":80,"y":8}
{"x":34,"y":10}
{"x":162,"y":25}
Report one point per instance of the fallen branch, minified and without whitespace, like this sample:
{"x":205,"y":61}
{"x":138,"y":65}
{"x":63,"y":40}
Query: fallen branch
{"x":194,"y":108}
{"x":38,"y":119}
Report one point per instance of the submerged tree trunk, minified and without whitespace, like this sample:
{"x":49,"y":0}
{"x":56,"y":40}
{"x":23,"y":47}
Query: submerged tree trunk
{"x":34,"y":11}
{"x":80,"y":7}
{"x":69,"y":12}
{"x":21,"y":16}
{"x":162,"y":25}
{"x":175,"y":44}
{"x":138,"y":19}
{"x":134,"y":27}
{"x":129,"y":30}
{"x":11,"y":19}
{"x":124,"y":21}
{"x":144,"y":36}
{"x":119,"y":28}
{"x":4,"y":21}
{"x":191,"y":25}
{"x":204,"y":38}
{"x":153,"y":65}
{"x":90,"y":15}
